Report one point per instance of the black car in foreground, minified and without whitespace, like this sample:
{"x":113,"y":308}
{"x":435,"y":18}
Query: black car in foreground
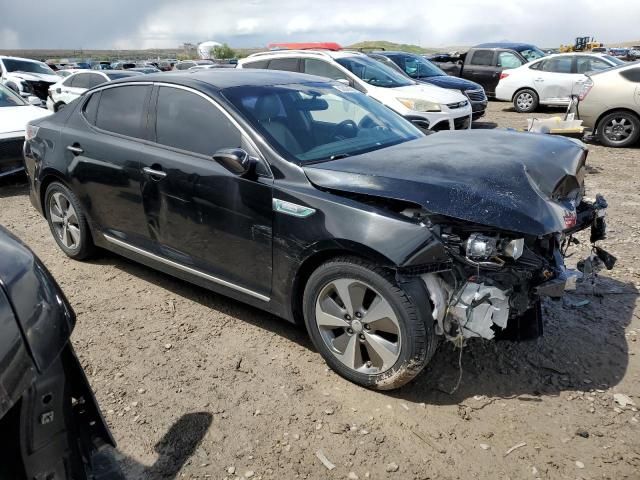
{"x":310,"y":200}
{"x":50,"y":424}
{"x":422,"y":70}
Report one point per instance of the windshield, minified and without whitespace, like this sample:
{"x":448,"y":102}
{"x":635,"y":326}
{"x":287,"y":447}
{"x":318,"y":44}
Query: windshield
{"x":319,"y":121}
{"x":13,"y":65}
{"x":373,"y":72}
{"x":8,"y":98}
{"x":418,"y":67}
{"x":532,"y":53}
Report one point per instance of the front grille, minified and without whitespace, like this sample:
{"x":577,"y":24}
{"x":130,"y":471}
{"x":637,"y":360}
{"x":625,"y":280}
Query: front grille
{"x":40,"y":89}
{"x":11,"y":155}
{"x":461,"y":123}
{"x":461,"y":104}
{"x":476,"y":95}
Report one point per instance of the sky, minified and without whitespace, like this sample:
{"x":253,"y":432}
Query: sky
{"x":138,"y":24}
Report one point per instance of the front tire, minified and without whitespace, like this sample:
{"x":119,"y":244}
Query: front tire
{"x":526,"y":101}
{"x":68,"y":222}
{"x":365,"y":325}
{"x":619,"y":129}
{"x":59,"y":106}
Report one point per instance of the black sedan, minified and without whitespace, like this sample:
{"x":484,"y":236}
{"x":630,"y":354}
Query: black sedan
{"x":422,"y":70}
{"x":310,"y":200}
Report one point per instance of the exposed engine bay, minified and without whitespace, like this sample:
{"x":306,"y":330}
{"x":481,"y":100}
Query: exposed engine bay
{"x":496,"y":279}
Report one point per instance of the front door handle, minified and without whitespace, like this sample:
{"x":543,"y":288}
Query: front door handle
{"x":75,"y":150}
{"x":539,"y":80}
{"x":159,"y":174}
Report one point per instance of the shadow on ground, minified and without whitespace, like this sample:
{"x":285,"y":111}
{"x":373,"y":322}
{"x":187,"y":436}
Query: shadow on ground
{"x":174,"y":449}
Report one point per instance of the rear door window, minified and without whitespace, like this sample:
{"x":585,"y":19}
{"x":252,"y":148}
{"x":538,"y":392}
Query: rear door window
{"x":482,"y":58}
{"x":286,"y":64}
{"x":122,"y":110}
{"x":558,"y":65}
{"x":256,"y":64}
{"x":186,"y":121}
{"x":322,"y":69}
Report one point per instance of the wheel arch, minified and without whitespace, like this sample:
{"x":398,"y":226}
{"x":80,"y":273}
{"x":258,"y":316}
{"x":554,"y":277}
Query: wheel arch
{"x":513,"y":97}
{"x":323,"y":255}
{"x":47,"y":178}
{"x":612,"y":110}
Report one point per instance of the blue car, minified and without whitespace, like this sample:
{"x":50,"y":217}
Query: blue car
{"x":422,"y":70}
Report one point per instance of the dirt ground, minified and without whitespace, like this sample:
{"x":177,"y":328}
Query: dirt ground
{"x":195,"y":385}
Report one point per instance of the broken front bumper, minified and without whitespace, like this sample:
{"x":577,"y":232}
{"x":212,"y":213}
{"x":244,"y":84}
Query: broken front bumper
{"x":483,"y":301}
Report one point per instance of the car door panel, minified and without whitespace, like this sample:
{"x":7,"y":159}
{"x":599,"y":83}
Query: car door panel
{"x":209,"y":219}
{"x":105,"y":169}
{"x":205,"y":216}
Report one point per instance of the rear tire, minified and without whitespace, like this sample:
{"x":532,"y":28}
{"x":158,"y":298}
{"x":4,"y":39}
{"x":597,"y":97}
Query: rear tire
{"x":67,"y":222}
{"x":375,"y":336}
{"x":59,"y":106}
{"x":526,"y":101}
{"x":619,"y":129}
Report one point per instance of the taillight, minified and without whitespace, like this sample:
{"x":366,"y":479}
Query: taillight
{"x":30,"y":132}
{"x":503,"y":75}
{"x":586,"y":88}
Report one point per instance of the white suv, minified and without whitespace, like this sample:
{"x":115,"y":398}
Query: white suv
{"x":427,"y":106}
{"x":26,"y":77}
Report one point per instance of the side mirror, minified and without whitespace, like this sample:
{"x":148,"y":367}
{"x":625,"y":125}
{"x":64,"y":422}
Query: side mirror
{"x":236,"y":160}
{"x":35,"y":101}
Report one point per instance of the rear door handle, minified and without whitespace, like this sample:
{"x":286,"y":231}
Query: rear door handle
{"x":75,"y":150}
{"x":539,"y":80}
{"x":154,"y":173}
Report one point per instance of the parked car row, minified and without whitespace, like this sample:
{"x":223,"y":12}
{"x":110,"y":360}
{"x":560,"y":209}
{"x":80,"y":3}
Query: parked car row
{"x":551,"y":80}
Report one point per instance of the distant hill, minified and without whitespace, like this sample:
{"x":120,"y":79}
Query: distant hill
{"x":383,"y":44}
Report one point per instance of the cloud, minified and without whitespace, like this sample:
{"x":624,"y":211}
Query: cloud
{"x":8,"y":38}
{"x":168,"y":23}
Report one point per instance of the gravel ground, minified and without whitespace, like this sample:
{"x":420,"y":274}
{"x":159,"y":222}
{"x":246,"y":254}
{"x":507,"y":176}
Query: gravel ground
{"x":195,"y":385}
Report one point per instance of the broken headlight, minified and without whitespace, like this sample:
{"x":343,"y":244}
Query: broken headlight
{"x":483,"y":247}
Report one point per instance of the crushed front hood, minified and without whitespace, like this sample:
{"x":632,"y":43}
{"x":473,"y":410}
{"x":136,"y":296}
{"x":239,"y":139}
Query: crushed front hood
{"x":497,"y":178}
{"x":35,"y":77}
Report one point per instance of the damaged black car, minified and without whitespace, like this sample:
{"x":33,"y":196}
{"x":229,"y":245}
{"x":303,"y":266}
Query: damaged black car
{"x":310,"y":200}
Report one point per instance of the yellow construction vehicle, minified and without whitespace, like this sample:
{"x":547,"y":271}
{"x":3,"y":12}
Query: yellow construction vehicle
{"x":582,"y":44}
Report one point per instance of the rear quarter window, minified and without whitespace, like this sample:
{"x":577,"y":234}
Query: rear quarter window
{"x":91,"y":108}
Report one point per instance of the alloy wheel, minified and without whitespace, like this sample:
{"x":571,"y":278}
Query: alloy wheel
{"x":618,"y":129}
{"x":358,"y":325}
{"x":64,"y":220}
{"x":524,"y":101}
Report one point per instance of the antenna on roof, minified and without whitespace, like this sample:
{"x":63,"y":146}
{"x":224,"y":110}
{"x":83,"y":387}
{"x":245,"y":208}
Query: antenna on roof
{"x":305,"y":46}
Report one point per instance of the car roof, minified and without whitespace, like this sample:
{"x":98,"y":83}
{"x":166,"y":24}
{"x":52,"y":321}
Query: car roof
{"x":512,"y":45}
{"x":219,"y":79}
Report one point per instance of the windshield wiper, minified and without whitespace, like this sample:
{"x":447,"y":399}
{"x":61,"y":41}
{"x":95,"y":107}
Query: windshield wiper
{"x":338,"y":156}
